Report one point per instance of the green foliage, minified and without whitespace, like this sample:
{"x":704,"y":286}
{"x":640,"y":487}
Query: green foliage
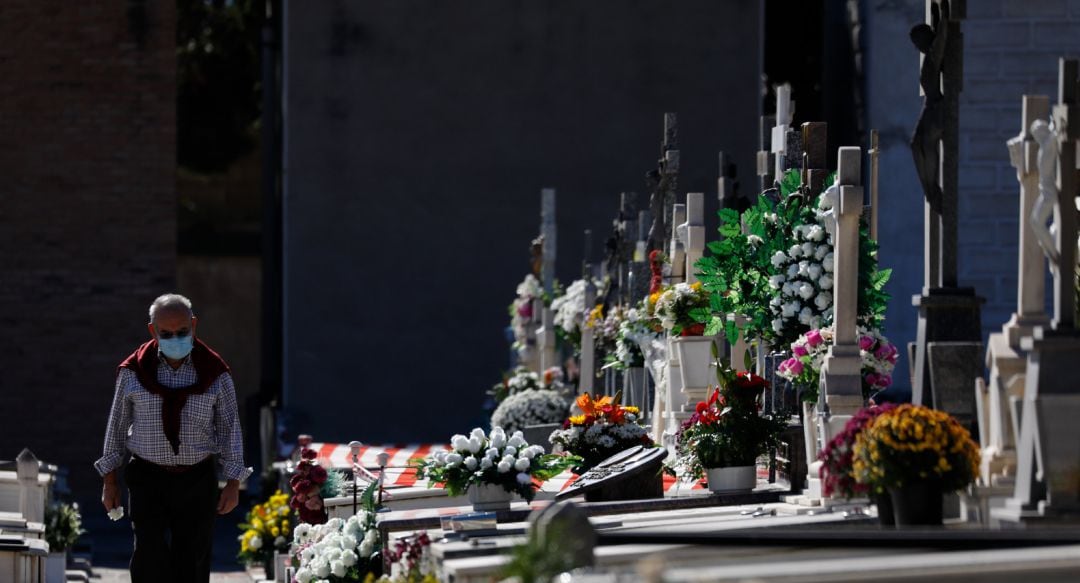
{"x":334,"y":485}
{"x":63,"y":526}
{"x":872,"y":299}
{"x":790,"y":183}
{"x":218,"y":86}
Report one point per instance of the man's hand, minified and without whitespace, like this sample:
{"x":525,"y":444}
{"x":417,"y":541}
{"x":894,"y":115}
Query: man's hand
{"x":110,"y":492}
{"x":229,"y":498}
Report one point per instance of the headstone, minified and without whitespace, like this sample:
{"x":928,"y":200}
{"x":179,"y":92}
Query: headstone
{"x":565,"y":528}
{"x":1048,"y":450}
{"x":676,"y":249}
{"x":632,"y":474}
{"x":765,"y":165}
{"x":815,"y":137}
{"x":1005,"y":359}
{"x":31,"y":495}
{"x":694,"y":229}
{"x":785,"y":109}
{"x":663,"y":183}
{"x":954,"y":366}
{"x":947,"y":313}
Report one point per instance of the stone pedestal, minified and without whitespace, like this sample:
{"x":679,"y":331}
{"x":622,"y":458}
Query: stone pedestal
{"x":997,"y":430}
{"x":1048,"y":450}
{"x":945,"y":315}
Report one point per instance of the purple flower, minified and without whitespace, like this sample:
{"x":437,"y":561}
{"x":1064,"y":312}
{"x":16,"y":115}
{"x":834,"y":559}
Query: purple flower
{"x":799,"y":350}
{"x":884,"y":380}
{"x":866,"y":343}
{"x":871,"y":379}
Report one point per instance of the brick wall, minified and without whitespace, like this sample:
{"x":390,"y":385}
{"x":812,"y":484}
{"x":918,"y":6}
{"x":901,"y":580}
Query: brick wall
{"x":1012,"y":48}
{"x":87,"y":212}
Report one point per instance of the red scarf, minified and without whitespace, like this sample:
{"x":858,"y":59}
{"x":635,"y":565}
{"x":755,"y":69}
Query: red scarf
{"x":144,"y":361}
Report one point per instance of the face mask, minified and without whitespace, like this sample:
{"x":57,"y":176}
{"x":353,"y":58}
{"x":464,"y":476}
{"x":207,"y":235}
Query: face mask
{"x":176,"y":348}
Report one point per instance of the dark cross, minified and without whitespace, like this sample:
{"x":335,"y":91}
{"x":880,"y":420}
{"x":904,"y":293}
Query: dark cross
{"x":662,"y":183}
{"x":935,"y":142}
{"x":815,"y":156}
{"x":727,"y":186}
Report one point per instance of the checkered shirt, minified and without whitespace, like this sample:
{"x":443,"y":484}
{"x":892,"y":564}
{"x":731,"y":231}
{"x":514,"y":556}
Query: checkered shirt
{"x":209,"y":424}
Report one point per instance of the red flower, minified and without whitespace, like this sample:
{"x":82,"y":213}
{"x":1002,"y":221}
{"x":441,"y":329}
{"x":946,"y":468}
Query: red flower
{"x":318,"y":474}
{"x":308,"y":454}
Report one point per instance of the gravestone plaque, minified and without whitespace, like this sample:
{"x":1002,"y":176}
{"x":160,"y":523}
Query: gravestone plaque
{"x":631,"y":474}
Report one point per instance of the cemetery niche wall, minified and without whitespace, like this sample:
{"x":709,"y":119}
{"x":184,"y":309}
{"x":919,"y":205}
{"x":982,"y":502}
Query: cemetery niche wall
{"x":415,"y":147}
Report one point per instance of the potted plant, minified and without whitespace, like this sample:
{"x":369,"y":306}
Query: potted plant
{"x":491,"y":469}
{"x":682,"y":309}
{"x":837,"y":475}
{"x":604,"y":428}
{"x":339,"y":550}
{"x":726,"y":434}
{"x":266,"y":531}
{"x":916,"y":454}
{"x":63,"y":526}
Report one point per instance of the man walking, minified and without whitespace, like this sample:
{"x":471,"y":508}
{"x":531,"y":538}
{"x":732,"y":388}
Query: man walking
{"x":174,"y":420}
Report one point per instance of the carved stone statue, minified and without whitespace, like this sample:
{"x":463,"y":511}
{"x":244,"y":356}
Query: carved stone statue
{"x":536,"y":252}
{"x":1045,"y":135}
{"x":931,"y":40}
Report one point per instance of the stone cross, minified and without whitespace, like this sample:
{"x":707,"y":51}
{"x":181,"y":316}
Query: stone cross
{"x":785,"y":110}
{"x":765,"y":165}
{"x":676,"y":248}
{"x":31,"y":494}
{"x":548,"y":232}
{"x":587,"y":374}
{"x":841,"y":373}
{"x":1005,"y":359}
{"x":663,"y":183}
{"x":875,"y":153}
{"x":694,"y":233}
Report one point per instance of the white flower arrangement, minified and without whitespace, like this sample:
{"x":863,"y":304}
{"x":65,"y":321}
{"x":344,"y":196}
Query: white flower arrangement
{"x":339,"y":548}
{"x":635,"y":334}
{"x":523,"y":379}
{"x":535,"y":407}
{"x":569,"y":308}
{"x":498,"y":459}
{"x":804,"y":281}
{"x":675,"y":305}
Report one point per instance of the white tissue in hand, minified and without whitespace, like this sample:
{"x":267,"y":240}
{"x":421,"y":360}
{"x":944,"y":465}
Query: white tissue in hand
{"x":116,"y":513}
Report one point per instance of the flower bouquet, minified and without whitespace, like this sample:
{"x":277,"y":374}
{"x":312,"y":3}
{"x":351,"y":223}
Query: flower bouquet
{"x":837,"y":475}
{"x":917,"y":454}
{"x":727,"y":430}
{"x":63,"y":526}
{"x":522,"y":379}
{"x":808,"y":355}
{"x":604,"y":428}
{"x":339,"y":550}
{"x":266,"y":530}
{"x":492,"y":462}
{"x":683,"y":309}
{"x":310,"y":484}
{"x":521,"y":309}
{"x":530,"y":407}
{"x":570,"y":310}
{"x":635,"y":329}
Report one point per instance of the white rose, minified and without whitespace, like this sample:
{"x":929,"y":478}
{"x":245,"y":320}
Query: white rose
{"x":825,"y":282}
{"x":504,"y":467}
{"x":806,"y":290}
{"x":321,"y":568}
{"x":776,"y":281}
{"x":477,"y":433}
{"x":822,"y":300}
{"x":471,"y":463}
{"x":498,"y":440}
{"x":459,"y":442}
{"x":366,"y":549}
{"x":806,"y":316}
{"x":814,"y":271}
{"x":307,"y":554}
{"x":777,"y":325}
{"x":348,"y":542}
{"x":517,"y":439}
{"x":486,"y":463}
{"x":454,"y":458}
{"x":524,"y":478}
{"x":822,"y":251}
{"x":795,"y":251}
{"x":790,"y":309}
{"x":778,"y":259}
{"x":349,"y":558}
{"x":803,"y":267}
{"x":808,"y":249}
{"x":491,"y":453}
{"x":816,"y":233}
{"x":255,"y":542}
{"x":792,"y":270}
{"x":303,"y":575}
{"x":510,"y":450}
{"x":337,"y":568}
{"x":827,"y":262}
{"x":522,"y":464}
{"x":475,"y":443}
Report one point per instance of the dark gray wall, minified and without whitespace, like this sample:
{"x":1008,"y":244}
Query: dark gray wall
{"x":418,"y":136}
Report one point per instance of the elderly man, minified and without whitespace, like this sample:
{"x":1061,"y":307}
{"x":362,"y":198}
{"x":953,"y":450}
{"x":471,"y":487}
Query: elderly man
{"x":174,"y":421}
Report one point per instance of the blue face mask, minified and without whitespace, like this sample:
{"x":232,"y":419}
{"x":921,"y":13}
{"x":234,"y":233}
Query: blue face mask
{"x":176,"y":348}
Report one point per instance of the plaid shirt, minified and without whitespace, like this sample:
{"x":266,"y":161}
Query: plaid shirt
{"x":209,"y":424}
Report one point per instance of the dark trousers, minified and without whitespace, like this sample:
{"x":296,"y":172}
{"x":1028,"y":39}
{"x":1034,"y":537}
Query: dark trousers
{"x":173,"y":518}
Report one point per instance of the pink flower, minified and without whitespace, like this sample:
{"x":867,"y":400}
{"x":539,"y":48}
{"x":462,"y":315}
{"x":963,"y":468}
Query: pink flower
{"x":871,"y":379}
{"x":813,"y":338}
{"x":884,"y":380}
{"x":794,"y":365}
{"x":525,"y":310}
{"x":866,"y":342}
{"x":799,"y":350}
{"x":885,"y":351}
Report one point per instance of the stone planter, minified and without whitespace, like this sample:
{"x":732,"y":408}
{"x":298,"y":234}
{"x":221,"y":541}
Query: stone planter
{"x":918,"y":504}
{"x":55,"y":565}
{"x":732,"y":480}
{"x":695,"y":362}
{"x":488,"y":497}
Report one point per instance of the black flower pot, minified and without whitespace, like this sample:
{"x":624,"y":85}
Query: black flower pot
{"x":884,"y":508}
{"x":918,"y":504}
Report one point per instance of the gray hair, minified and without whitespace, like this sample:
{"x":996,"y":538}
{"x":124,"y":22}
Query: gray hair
{"x":170,"y":302}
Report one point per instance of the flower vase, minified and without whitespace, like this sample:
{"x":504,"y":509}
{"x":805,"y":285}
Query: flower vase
{"x":55,"y":565}
{"x":282,"y":562}
{"x":489,"y":497}
{"x":885,"y":514}
{"x":695,"y":362}
{"x":732,"y":479}
{"x":918,"y":504}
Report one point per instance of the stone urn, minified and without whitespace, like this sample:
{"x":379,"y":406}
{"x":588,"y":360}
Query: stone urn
{"x":489,"y":497}
{"x":732,"y":479}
